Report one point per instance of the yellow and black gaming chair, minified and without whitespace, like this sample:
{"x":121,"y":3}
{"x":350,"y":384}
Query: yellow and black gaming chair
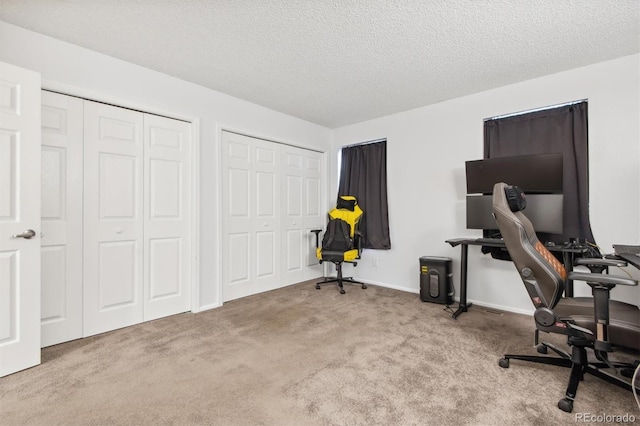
{"x":341,"y":242}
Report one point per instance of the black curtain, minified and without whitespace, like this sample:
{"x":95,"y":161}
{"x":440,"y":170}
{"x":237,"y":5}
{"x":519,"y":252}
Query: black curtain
{"x":562,"y":129}
{"x":363,"y":174}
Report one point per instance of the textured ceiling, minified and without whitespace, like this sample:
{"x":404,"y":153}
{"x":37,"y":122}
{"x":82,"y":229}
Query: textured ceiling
{"x":337,"y":62}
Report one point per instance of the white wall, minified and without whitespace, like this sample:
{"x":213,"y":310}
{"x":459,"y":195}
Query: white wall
{"x":80,"y":71}
{"x":427,"y":148}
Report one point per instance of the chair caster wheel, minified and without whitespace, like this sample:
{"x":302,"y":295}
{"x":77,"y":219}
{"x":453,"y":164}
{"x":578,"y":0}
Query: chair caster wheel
{"x":628,"y":373}
{"x":503,"y":362}
{"x":342,"y":291}
{"x":317,"y":286}
{"x":565,"y":405}
{"x":364,"y":286}
{"x":542,"y":349}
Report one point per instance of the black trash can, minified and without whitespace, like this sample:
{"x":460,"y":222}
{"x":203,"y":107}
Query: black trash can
{"x":436,"y":280}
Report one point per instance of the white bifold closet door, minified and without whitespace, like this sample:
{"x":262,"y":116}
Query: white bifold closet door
{"x":136,"y":217}
{"x":167,"y":212}
{"x":271,"y":200}
{"x":61,"y":242}
{"x":301,"y":182}
{"x":113,"y":218}
{"x":251,"y":205}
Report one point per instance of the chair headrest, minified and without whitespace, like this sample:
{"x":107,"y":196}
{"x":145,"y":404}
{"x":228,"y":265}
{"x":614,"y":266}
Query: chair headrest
{"x":515,"y":198}
{"x":346,"y":202}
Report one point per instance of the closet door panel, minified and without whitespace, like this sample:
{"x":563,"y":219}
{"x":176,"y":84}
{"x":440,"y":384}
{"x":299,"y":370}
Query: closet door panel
{"x":294,"y":200}
{"x":314,"y":216}
{"x":271,"y":195}
{"x":167,"y":207}
{"x":113,"y":218}
{"x":302,"y":186}
{"x":251,"y":216}
{"x":61,"y":213}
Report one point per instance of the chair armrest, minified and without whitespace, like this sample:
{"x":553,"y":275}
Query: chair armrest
{"x":601,"y":285}
{"x":601,"y":278}
{"x":357,"y":239}
{"x":317,"y":232}
{"x":600,"y":262}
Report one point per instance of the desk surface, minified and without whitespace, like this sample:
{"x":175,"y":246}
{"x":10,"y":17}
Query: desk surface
{"x":568,"y":251}
{"x":498,"y":242}
{"x":492,"y":242}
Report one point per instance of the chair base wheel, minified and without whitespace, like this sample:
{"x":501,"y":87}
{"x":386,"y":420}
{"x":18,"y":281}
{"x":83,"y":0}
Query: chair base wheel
{"x":364,"y":286}
{"x":503,"y":362}
{"x":628,"y":373}
{"x":542,"y":349}
{"x":317,"y":286}
{"x":342,"y":291}
{"x":565,"y":405}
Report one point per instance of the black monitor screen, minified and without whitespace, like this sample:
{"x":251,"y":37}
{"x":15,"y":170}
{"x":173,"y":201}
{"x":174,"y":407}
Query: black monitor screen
{"x":540,"y":173}
{"x":543,"y":210}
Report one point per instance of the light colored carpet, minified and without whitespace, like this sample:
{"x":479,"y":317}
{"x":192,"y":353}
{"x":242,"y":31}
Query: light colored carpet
{"x":300,"y":356}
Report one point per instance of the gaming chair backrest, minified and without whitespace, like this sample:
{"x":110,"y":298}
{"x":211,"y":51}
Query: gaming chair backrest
{"x":542,"y":274}
{"x":337,"y":238}
{"x":347,"y":209}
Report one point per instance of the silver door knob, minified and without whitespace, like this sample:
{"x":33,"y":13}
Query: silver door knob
{"x":28,"y":234}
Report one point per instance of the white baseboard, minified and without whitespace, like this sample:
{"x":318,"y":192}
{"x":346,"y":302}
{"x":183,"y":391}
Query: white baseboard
{"x":457,"y":299}
{"x":501,"y":308}
{"x":381,"y":284}
{"x":207,"y":307}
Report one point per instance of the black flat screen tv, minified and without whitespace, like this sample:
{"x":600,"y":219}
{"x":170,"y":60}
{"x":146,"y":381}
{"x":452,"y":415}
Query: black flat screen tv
{"x":539,"y":173}
{"x":543,"y":210}
{"x":539,"y":176}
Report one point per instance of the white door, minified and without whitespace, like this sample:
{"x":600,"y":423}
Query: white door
{"x":302,"y":189}
{"x":251,"y":215}
{"x":113,"y":218}
{"x":61,"y":243}
{"x":167,"y":207}
{"x":314,"y":215}
{"x":19,"y":219}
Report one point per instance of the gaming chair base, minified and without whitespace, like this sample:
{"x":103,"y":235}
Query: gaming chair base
{"x":579,"y":365}
{"x":340,"y":280}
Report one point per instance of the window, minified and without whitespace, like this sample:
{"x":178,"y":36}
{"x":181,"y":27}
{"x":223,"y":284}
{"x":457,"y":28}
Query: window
{"x":562,"y":129}
{"x":363,"y":174}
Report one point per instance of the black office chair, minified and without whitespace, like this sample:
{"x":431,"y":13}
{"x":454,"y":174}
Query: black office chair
{"x":597,"y":323}
{"x":342,"y":240}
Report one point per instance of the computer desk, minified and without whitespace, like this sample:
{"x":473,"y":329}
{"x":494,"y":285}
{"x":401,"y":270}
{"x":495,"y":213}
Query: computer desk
{"x":569,"y":254}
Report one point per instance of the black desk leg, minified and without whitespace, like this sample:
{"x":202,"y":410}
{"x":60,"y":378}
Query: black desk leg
{"x":568,"y":258}
{"x":463,"y":306}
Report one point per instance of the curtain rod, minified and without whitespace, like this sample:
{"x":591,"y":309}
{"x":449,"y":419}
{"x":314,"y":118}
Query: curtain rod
{"x":513,"y":114}
{"x":364,"y":143}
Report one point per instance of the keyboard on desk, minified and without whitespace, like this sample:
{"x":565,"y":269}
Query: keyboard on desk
{"x":629,"y":253}
{"x":626,"y":249}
